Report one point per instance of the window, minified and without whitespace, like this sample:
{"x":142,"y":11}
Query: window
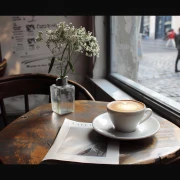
{"x":123,"y":66}
{"x":167,"y":18}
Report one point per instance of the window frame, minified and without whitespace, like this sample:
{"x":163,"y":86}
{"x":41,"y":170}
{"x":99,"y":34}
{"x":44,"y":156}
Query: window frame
{"x":152,"y":99}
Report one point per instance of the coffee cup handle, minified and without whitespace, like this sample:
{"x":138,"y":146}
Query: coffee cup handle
{"x":147,"y":114}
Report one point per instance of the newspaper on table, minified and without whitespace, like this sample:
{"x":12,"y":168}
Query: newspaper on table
{"x":79,"y":142}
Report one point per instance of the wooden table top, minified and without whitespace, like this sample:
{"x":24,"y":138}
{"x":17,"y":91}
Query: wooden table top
{"x":27,"y":139}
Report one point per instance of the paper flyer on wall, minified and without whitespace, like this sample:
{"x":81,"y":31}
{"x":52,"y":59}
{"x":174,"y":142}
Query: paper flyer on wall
{"x":25,"y":29}
{"x":79,"y":142}
{"x":18,"y":35}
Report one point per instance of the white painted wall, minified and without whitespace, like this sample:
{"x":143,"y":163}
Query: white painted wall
{"x":152,"y":27}
{"x":175,"y":23}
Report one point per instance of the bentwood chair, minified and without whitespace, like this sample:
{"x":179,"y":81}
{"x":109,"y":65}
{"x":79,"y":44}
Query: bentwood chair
{"x":27,"y":84}
{"x":3,"y":65}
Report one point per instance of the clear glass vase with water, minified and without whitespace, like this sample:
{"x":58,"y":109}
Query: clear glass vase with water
{"x":62,"y":96}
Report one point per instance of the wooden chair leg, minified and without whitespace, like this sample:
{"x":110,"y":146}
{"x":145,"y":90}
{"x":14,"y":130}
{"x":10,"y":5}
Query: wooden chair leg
{"x":26,"y":102}
{"x":3,"y":112}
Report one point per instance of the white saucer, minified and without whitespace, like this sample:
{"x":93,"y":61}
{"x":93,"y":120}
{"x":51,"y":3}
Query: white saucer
{"x":103,"y":125}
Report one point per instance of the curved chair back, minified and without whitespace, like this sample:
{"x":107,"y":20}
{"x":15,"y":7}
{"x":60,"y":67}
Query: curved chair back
{"x":26,"y":84}
{"x":3,"y":65}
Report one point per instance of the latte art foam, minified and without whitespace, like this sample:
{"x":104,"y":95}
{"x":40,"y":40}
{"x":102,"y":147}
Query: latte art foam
{"x":126,"y":106}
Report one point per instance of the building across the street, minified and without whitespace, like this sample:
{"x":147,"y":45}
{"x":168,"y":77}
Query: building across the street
{"x":158,"y":26}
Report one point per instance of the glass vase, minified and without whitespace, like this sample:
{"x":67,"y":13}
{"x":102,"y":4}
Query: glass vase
{"x":62,"y":96}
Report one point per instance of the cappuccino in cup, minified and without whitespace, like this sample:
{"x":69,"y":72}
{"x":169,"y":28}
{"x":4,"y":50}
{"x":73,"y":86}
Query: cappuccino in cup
{"x":126,"y":106}
{"x":126,"y":115}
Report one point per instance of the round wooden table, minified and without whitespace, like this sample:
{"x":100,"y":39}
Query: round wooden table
{"x":28,"y":138}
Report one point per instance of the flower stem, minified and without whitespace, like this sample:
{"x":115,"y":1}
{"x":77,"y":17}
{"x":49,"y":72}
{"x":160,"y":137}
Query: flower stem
{"x":74,"y":62}
{"x":62,"y":75}
{"x":69,"y":59}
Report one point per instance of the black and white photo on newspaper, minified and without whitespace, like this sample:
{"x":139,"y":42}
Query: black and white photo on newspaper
{"x":79,"y":142}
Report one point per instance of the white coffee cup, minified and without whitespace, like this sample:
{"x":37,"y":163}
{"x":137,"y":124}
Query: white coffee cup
{"x":126,"y":115}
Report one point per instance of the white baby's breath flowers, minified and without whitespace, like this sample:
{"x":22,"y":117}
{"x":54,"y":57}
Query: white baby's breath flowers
{"x":67,"y":40}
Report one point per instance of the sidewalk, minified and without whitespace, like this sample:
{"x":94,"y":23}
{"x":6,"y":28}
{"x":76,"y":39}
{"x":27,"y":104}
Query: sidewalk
{"x":156,"y":69}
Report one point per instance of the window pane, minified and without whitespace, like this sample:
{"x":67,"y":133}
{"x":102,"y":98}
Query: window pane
{"x":145,"y":57}
{"x":124,"y":49}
